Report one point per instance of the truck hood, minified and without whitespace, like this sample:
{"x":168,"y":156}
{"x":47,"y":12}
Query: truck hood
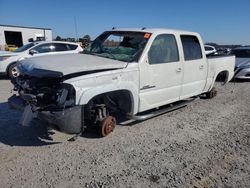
{"x":241,"y":62}
{"x":67,"y":64}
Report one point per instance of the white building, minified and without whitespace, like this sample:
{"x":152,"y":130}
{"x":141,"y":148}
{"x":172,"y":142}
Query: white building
{"x":20,"y":35}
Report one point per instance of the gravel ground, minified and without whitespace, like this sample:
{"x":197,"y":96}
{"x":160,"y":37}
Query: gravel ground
{"x":206,"y":144}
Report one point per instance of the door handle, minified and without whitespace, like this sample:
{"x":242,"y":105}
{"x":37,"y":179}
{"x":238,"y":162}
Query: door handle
{"x":178,"y":70}
{"x":201,"y":67}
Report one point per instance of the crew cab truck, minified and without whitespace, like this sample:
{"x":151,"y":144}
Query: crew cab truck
{"x":123,"y":71}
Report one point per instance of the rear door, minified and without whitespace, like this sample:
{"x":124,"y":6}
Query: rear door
{"x":194,"y":66}
{"x":160,"y":73}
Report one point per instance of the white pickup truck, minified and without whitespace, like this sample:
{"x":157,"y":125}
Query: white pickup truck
{"x":137,"y":72}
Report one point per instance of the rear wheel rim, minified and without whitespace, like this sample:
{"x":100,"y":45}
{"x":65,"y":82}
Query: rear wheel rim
{"x":14,"y":72}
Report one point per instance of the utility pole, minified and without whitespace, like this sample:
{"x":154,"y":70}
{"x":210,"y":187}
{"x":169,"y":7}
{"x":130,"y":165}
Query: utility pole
{"x":44,"y":34}
{"x":76,"y":29}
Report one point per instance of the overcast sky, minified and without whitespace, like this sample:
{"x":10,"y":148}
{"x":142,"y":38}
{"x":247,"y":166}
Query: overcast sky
{"x":220,"y":21}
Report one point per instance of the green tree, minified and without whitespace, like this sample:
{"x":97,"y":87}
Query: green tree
{"x":87,"y":38}
{"x":58,"y":38}
{"x":85,"y":41}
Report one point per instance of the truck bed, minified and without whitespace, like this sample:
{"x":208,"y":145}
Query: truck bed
{"x":220,"y":64}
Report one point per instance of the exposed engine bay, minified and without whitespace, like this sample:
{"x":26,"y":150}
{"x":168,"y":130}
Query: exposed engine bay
{"x":46,"y":93}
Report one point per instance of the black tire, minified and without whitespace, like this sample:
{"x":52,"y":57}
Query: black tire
{"x":12,"y":72}
{"x":211,"y":94}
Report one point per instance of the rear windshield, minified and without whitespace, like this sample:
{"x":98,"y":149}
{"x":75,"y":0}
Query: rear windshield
{"x":241,"y":53}
{"x":122,"y":46}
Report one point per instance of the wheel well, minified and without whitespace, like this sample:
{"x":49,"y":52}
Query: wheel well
{"x":7,"y":69}
{"x":222,"y":76}
{"x":122,"y":100}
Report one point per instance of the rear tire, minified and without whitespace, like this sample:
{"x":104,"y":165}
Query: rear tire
{"x":211,"y":94}
{"x":12,"y":71}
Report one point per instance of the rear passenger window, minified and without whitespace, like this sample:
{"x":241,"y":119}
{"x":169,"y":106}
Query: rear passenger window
{"x":72,"y":46}
{"x":59,"y":47}
{"x":191,"y":47}
{"x":163,"y":50}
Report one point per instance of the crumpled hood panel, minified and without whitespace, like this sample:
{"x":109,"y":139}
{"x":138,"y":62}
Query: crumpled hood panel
{"x":71,"y":63}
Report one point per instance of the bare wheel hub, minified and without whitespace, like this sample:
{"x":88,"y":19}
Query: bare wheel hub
{"x":107,"y":125}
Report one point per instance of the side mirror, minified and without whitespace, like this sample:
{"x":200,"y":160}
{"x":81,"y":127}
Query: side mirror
{"x":32,"y":52}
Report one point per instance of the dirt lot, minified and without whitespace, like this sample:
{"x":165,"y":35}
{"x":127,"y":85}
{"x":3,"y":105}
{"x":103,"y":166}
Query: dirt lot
{"x":206,"y":144}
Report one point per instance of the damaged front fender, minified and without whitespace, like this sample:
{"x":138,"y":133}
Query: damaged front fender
{"x":69,"y":120}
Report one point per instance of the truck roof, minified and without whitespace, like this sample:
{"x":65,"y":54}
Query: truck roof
{"x":155,"y":30}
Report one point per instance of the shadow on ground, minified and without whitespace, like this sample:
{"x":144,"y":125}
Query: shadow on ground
{"x":37,"y":134}
{"x":3,"y":77}
{"x":11,"y":133}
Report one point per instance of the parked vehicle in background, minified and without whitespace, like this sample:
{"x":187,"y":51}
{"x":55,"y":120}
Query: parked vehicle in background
{"x":123,"y":71}
{"x":9,"y":60}
{"x":227,"y":51}
{"x":3,"y":52}
{"x":210,"y":50}
{"x":242,"y":65}
{"x":10,"y":48}
{"x":223,"y":51}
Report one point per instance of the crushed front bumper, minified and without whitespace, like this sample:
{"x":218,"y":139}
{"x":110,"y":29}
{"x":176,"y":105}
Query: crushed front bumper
{"x":69,"y":120}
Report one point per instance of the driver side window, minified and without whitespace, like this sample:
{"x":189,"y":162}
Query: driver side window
{"x":163,"y":50}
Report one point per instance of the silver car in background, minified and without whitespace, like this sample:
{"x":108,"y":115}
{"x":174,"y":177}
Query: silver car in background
{"x":210,"y":50}
{"x":9,"y":60}
{"x":242,"y":64}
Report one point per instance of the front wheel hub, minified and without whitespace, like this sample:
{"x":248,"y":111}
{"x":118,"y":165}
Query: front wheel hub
{"x":107,"y":125}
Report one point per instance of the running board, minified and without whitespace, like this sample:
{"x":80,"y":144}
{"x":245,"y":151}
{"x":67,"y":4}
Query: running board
{"x":160,"y":111}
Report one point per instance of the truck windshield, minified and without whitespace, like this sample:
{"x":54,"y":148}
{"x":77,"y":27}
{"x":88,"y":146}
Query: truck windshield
{"x":241,"y":53}
{"x":24,"y":47}
{"x":119,"y":45}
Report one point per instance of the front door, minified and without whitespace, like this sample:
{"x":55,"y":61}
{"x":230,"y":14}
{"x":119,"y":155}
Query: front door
{"x":160,"y":73}
{"x":43,"y":49}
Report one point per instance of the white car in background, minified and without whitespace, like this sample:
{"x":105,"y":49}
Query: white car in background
{"x":242,"y":64}
{"x":210,"y":50}
{"x":8,"y":60}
